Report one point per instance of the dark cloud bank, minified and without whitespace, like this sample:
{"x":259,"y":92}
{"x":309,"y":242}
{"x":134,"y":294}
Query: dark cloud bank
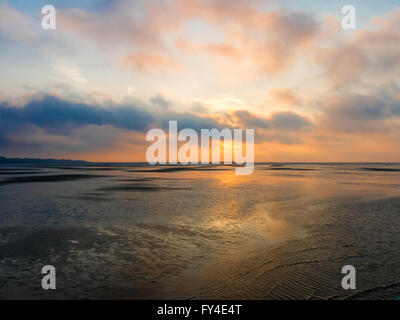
{"x":54,"y":116}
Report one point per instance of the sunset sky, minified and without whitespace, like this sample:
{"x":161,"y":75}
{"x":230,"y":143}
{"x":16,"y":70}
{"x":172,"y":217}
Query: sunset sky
{"x":112,"y":70}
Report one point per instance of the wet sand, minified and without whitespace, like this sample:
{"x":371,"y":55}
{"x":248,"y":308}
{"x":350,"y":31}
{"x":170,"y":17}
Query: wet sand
{"x":283,"y":232}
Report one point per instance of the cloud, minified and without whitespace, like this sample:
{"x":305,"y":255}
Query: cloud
{"x":68,"y":71}
{"x":353,"y":62}
{"x":284,"y":97}
{"x":261,"y":42}
{"x":150,"y":62}
{"x":188,"y":120}
{"x":57,"y":115}
{"x":285,"y":138}
{"x":116,"y":26}
{"x":48,"y":124}
{"x":360,"y":113}
{"x":362,"y":57}
{"x":15,"y":26}
{"x":283,"y":121}
{"x":264,"y":41}
{"x":34,"y":141}
{"x":281,"y":127}
{"x":159,"y":100}
{"x":289,"y":121}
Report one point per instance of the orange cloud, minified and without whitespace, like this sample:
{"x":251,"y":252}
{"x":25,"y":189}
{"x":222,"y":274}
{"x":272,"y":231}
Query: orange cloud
{"x":363,"y":57}
{"x":260,"y":42}
{"x":150,"y":62}
{"x":284,"y":97}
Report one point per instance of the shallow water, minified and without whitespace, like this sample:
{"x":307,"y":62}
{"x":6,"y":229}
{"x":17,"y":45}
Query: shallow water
{"x":142,"y":232}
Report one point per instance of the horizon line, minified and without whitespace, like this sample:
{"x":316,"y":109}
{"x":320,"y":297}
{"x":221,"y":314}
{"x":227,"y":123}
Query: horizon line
{"x":2,"y":158}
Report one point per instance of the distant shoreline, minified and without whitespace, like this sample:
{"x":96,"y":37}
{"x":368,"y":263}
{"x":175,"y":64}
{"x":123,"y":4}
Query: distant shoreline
{"x":5,"y":160}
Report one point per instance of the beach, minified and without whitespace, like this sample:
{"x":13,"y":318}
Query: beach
{"x":134,"y":231}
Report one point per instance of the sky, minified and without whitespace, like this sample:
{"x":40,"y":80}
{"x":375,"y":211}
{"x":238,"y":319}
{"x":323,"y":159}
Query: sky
{"x":112,"y":70}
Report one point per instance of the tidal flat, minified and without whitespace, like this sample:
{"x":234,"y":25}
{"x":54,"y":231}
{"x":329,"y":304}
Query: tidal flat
{"x":167,"y":232}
